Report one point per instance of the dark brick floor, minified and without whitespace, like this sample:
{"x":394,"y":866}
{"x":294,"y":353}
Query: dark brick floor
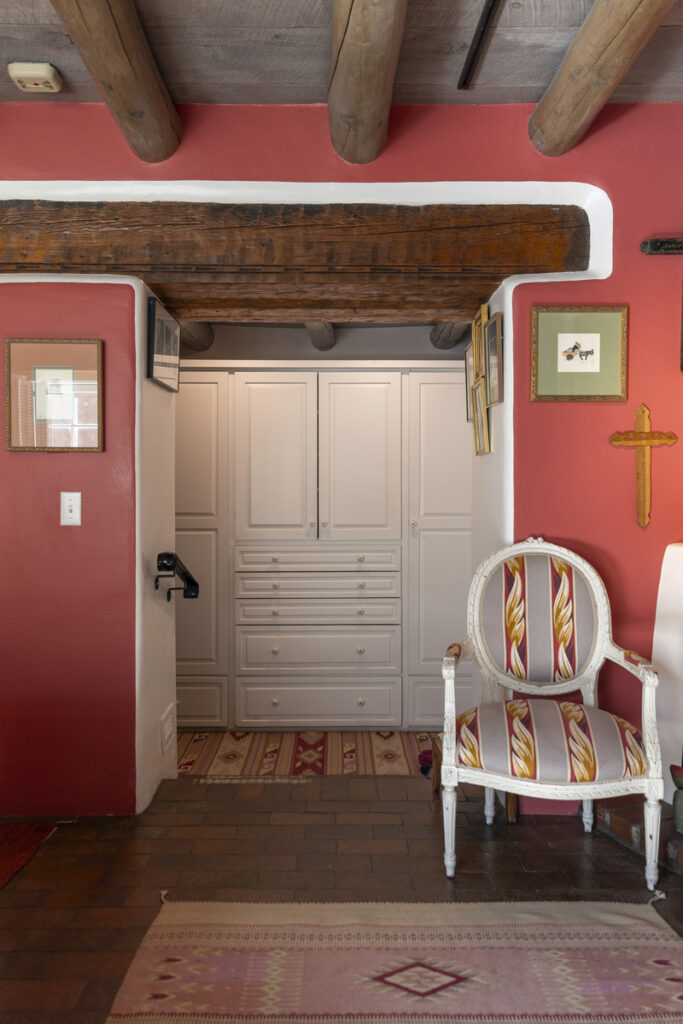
{"x":72,"y":918}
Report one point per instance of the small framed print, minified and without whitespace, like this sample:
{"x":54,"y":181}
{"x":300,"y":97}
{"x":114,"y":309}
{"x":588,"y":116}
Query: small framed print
{"x":478,"y":323}
{"x":54,"y":395}
{"x":480,"y":417}
{"x":163,"y":346}
{"x":493,"y":359}
{"x":469,"y":379}
{"x":578,"y":353}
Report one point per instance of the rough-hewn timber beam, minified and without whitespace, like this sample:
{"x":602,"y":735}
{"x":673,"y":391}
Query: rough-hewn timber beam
{"x":282,"y":263}
{"x":366,"y":40}
{"x":602,"y":52}
{"x":321,"y":333}
{"x":444,"y":336}
{"x":112,"y":45}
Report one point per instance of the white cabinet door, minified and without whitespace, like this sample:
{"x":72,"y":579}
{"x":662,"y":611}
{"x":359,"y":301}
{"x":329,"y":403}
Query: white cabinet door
{"x":360,"y":456}
{"x":275,"y":456}
{"x":202,"y":543}
{"x":439,"y":535}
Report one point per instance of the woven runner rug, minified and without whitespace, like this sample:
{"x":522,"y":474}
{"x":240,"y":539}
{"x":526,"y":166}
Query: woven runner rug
{"x":388,"y":963}
{"x":263,"y":754}
{"x":18,"y":842}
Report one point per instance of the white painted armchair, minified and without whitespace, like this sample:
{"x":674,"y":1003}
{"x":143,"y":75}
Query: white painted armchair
{"x":539,"y":624}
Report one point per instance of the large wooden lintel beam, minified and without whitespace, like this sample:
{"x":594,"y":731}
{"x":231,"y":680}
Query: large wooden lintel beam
{"x":112,"y":45}
{"x":299,"y":263}
{"x":601,"y":54}
{"x":366,"y":41}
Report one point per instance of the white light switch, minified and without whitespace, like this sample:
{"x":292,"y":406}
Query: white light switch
{"x":70,"y":508}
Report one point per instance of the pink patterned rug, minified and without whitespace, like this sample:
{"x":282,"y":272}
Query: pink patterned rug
{"x":390,"y":963}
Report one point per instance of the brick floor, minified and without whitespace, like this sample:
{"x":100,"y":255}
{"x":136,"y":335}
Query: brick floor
{"x":72,"y":918}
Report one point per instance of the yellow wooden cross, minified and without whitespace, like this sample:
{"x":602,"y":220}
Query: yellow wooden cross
{"x":643,"y":440}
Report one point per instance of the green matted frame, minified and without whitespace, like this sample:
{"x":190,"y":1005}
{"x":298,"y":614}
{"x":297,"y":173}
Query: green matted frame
{"x":579,"y":353}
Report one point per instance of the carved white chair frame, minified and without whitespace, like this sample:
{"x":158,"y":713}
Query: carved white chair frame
{"x":493,"y":680}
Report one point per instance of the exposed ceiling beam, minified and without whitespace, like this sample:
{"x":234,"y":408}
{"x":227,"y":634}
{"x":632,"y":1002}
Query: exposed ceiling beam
{"x":321,"y":333}
{"x":447,"y":335}
{"x":599,"y":57}
{"x":366,"y":40}
{"x":341,"y":263}
{"x":112,"y":44}
{"x":196,"y":335}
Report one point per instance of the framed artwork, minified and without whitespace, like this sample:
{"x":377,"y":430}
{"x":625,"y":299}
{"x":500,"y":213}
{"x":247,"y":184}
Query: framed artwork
{"x":578,"y":353}
{"x":469,"y":379}
{"x":163,"y":346}
{"x":53,"y":395}
{"x":480,"y":319}
{"x":480,"y":417}
{"x":493,"y":359}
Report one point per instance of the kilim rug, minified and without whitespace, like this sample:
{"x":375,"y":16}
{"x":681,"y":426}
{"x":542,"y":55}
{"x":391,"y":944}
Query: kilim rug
{"x":18,"y":842}
{"x":388,"y":963}
{"x":231,"y":754}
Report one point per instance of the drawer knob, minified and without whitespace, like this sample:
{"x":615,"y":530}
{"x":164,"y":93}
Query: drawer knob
{"x":312,"y":523}
{"x":275,"y":650}
{"x":361,"y":650}
{"x":275,"y":558}
{"x":413,"y":522}
{"x":323,"y":524}
{"x":275,"y":612}
{"x":275,"y":702}
{"x":276,"y":586}
{"x":361,"y":584}
{"x":361,"y":611}
{"x":361,"y":558}
{"x":361,"y":702}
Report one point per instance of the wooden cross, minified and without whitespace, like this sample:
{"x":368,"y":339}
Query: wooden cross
{"x":643,"y":440}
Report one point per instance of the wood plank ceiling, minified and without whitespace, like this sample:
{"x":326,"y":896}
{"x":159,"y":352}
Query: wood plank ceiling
{"x":360,"y":56}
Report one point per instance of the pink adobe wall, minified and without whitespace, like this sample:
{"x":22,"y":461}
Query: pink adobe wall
{"x":571,"y":485}
{"x":67,"y":603}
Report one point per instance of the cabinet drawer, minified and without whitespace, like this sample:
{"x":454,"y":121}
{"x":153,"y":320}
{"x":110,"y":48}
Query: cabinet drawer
{"x":325,"y":612}
{"x":202,"y":703}
{"x":318,"y":585}
{"x":318,"y":557}
{"x":317,"y":650}
{"x":351,"y":702}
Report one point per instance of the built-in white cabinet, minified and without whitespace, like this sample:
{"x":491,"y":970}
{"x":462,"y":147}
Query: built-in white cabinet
{"x":332,"y":582}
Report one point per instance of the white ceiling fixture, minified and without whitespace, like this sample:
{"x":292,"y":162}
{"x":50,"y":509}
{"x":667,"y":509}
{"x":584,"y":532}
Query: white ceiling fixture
{"x":31,"y":76}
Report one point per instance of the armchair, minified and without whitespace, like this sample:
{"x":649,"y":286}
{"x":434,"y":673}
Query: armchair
{"x":539,"y":627}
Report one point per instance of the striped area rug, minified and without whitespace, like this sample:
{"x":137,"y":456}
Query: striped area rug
{"x":269,"y":754}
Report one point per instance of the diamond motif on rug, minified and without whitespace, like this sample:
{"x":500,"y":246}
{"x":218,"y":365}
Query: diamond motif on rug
{"x":420,"y":979}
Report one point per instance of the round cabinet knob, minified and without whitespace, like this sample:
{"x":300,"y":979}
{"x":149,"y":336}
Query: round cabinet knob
{"x":361,"y":650}
{"x":313,"y":523}
{"x":361,"y":702}
{"x":276,"y":586}
{"x":275,"y":558}
{"x":413,"y":522}
{"x":323,"y":524}
{"x":361,"y":611}
{"x":361,"y":584}
{"x":275,"y":650}
{"x":275,"y":702}
{"x":275,"y":612}
{"x":361,"y":558}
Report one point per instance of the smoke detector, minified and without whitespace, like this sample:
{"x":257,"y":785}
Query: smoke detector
{"x":35,"y":77}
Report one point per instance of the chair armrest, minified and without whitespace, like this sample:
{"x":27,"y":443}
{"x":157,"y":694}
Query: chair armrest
{"x":456,"y":651}
{"x":634,"y":663}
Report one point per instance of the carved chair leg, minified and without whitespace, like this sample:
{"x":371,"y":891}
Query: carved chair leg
{"x":448,"y":803}
{"x":511,"y":807}
{"x":489,"y":804}
{"x":587,"y":815}
{"x":437,"y":757}
{"x":653,"y":814}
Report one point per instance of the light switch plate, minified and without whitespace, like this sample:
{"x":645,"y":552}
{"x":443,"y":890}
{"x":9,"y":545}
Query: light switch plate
{"x":70,"y":508}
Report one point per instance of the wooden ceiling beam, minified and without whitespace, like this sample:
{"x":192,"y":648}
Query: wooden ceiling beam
{"x":112,"y":44}
{"x":447,"y":335}
{"x":321,"y":333}
{"x":366,"y":41}
{"x":196,"y":335}
{"x":599,"y":57}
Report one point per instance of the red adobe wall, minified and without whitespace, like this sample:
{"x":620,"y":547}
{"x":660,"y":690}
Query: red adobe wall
{"x":571,"y":485}
{"x":67,"y":600}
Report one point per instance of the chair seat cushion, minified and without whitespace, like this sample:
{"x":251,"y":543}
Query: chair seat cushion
{"x":550,"y":741}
